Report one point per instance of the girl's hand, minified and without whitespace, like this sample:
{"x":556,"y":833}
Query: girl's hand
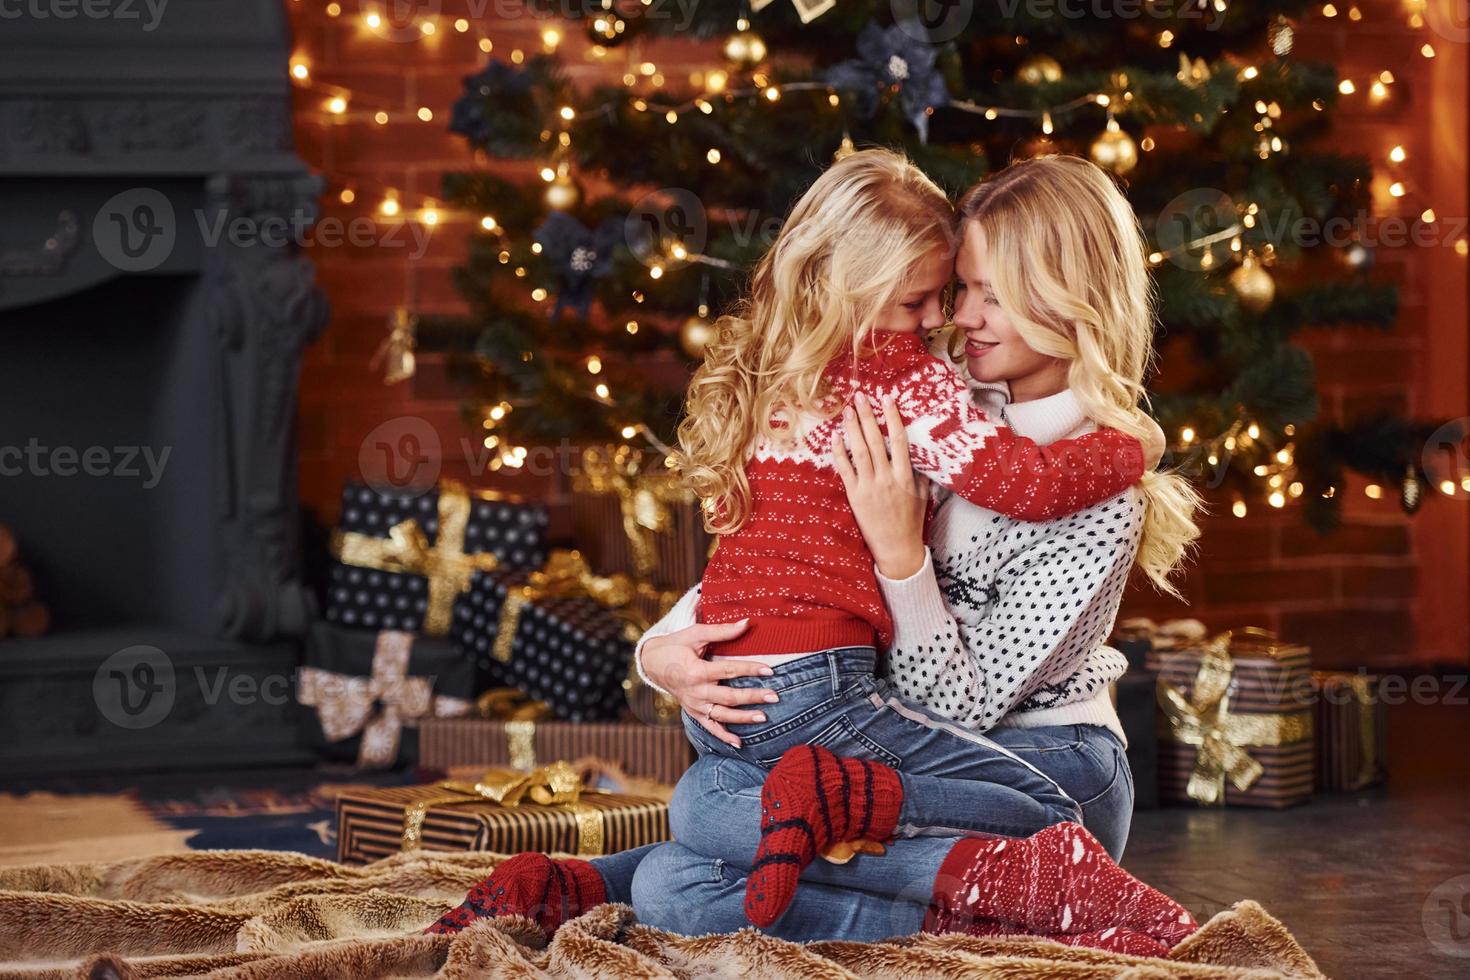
{"x":886,"y":498}
{"x":675,"y":662}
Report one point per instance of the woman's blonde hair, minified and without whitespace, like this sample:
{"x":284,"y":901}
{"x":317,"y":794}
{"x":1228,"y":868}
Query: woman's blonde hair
{"x":845,"y":253}
{"x":1066,"y":260}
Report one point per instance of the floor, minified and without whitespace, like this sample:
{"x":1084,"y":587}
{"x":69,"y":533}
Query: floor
{"x":1374,"y":884}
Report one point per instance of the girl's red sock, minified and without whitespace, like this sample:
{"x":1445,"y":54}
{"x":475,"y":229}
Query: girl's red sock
{"x":530,"y":884}
{"x":1059,"y":880}
{"x":812,"y":799}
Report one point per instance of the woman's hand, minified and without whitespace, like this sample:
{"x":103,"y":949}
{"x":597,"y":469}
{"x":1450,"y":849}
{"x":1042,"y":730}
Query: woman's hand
{"x":886,"y":498}
{"x":675,"y":662}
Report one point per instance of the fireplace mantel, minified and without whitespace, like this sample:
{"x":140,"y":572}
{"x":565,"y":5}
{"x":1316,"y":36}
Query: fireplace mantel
{"x":104,"y":124}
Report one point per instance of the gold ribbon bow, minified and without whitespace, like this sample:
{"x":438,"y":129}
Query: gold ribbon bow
{"x":566,"y":574}
{"x":643,"y":498}
{"x":1204,"y":720}
{"x":555,"y":785}
{"x":344,"y":704}
{"x":807,"y":10}
{"x":406,"y":549}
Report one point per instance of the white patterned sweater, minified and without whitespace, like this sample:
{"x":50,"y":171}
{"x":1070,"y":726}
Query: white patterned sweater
{"x":1006,"y":620}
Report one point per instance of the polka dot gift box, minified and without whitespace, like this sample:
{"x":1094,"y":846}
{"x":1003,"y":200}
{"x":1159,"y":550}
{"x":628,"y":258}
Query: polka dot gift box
{"x":568,"y":650}
{"x":406,"y":562}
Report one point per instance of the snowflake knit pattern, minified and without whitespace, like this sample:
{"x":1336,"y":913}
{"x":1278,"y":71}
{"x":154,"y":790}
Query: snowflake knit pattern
{"x":798,"y":568}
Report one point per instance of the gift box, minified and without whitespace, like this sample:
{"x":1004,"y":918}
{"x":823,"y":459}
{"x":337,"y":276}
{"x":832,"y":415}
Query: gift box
{"x":1236,"y":723}
{"x":503,"y":812}
{"x":650,"y":752}
{"x":561,"y":635}
{"x":404,"y":562}
{"x":637,"y":518}
{"x":1352,"y":731}
{"x":367,"y":693}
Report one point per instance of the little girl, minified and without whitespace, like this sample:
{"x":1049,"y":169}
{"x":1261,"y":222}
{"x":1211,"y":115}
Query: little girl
{"x":834,"y":318}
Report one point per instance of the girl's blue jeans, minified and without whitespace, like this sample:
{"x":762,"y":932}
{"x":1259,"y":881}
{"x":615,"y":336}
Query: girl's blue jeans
{"x":1011,"y":782}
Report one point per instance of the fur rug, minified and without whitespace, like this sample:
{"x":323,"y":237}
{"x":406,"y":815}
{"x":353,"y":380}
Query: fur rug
{"x":269,"y":914}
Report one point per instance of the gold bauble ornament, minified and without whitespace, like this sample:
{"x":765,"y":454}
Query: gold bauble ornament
{"x":745,"y":49}
{"x":562,"y":193}
{"x":1253,"y":284}
{"x":1040,"y":68}
{"x":695,"y":335}
{"x":1411,"y":492}
{"x":1114,"y":150}
{"x":607,"y":29}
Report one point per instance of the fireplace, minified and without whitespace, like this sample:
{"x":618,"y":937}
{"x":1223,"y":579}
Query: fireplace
{"x":148,"y":367}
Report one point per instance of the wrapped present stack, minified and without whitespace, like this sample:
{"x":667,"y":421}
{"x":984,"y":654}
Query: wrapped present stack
{"x":1352,"y":731}
{"x":1236,"y":724}
{"x":506,"y":811}
{"x":635,"y":517}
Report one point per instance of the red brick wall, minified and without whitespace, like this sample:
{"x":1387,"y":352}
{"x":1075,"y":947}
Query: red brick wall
{"x":1383,"y":590}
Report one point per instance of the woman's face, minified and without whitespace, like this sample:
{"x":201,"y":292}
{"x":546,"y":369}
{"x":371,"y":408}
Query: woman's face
{"x":994,"y":350}
{"x":921,"y":304}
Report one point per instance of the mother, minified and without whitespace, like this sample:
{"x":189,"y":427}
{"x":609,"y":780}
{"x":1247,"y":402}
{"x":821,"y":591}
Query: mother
{"x":998,"y":622}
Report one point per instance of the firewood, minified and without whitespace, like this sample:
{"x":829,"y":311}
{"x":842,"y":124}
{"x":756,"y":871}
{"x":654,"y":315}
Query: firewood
{"x":30,"y":619}
{"x":15,"y":583}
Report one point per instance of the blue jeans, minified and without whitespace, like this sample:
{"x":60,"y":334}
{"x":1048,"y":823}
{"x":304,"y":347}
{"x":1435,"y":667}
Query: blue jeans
{"x":696,"y":886}
{"x":834,"y":700}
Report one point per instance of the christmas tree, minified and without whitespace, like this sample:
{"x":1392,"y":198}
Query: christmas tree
{"x":652,"y":198}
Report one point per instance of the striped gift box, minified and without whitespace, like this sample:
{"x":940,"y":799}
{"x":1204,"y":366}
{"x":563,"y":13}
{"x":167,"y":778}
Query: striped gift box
{"x":1270,"y":678}
{"x":1352,"y":732}
{"x":370,"y":824}
{"x":647,"y":751}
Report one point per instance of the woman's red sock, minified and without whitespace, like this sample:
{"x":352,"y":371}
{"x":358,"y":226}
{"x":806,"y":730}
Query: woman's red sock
{"x":530,"y":884}
{"x":1114,"y":939}
{"x":1059,"y":880}
{"x":812,"y":799}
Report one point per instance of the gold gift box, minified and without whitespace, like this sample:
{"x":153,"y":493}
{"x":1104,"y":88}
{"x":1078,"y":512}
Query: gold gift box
{"x":371,"y":823}
{"x":647,"y":751}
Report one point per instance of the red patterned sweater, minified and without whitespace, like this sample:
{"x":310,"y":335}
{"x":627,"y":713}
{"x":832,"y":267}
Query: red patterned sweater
{"x":799,"y":569}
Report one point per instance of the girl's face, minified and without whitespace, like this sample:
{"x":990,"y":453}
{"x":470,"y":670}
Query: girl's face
{"x":920,"y":306}
{"x":994,"y":350}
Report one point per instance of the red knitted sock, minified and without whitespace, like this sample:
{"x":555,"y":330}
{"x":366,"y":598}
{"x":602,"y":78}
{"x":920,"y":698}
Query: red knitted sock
{"x":533,"y":885}
{"x":1059,"y":880}
{"x":1113,"y":940}
{"x":812,"y":799}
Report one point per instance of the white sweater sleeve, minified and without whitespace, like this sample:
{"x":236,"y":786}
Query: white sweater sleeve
{"x":1028,"y":635}
{"x":684,"y":613}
